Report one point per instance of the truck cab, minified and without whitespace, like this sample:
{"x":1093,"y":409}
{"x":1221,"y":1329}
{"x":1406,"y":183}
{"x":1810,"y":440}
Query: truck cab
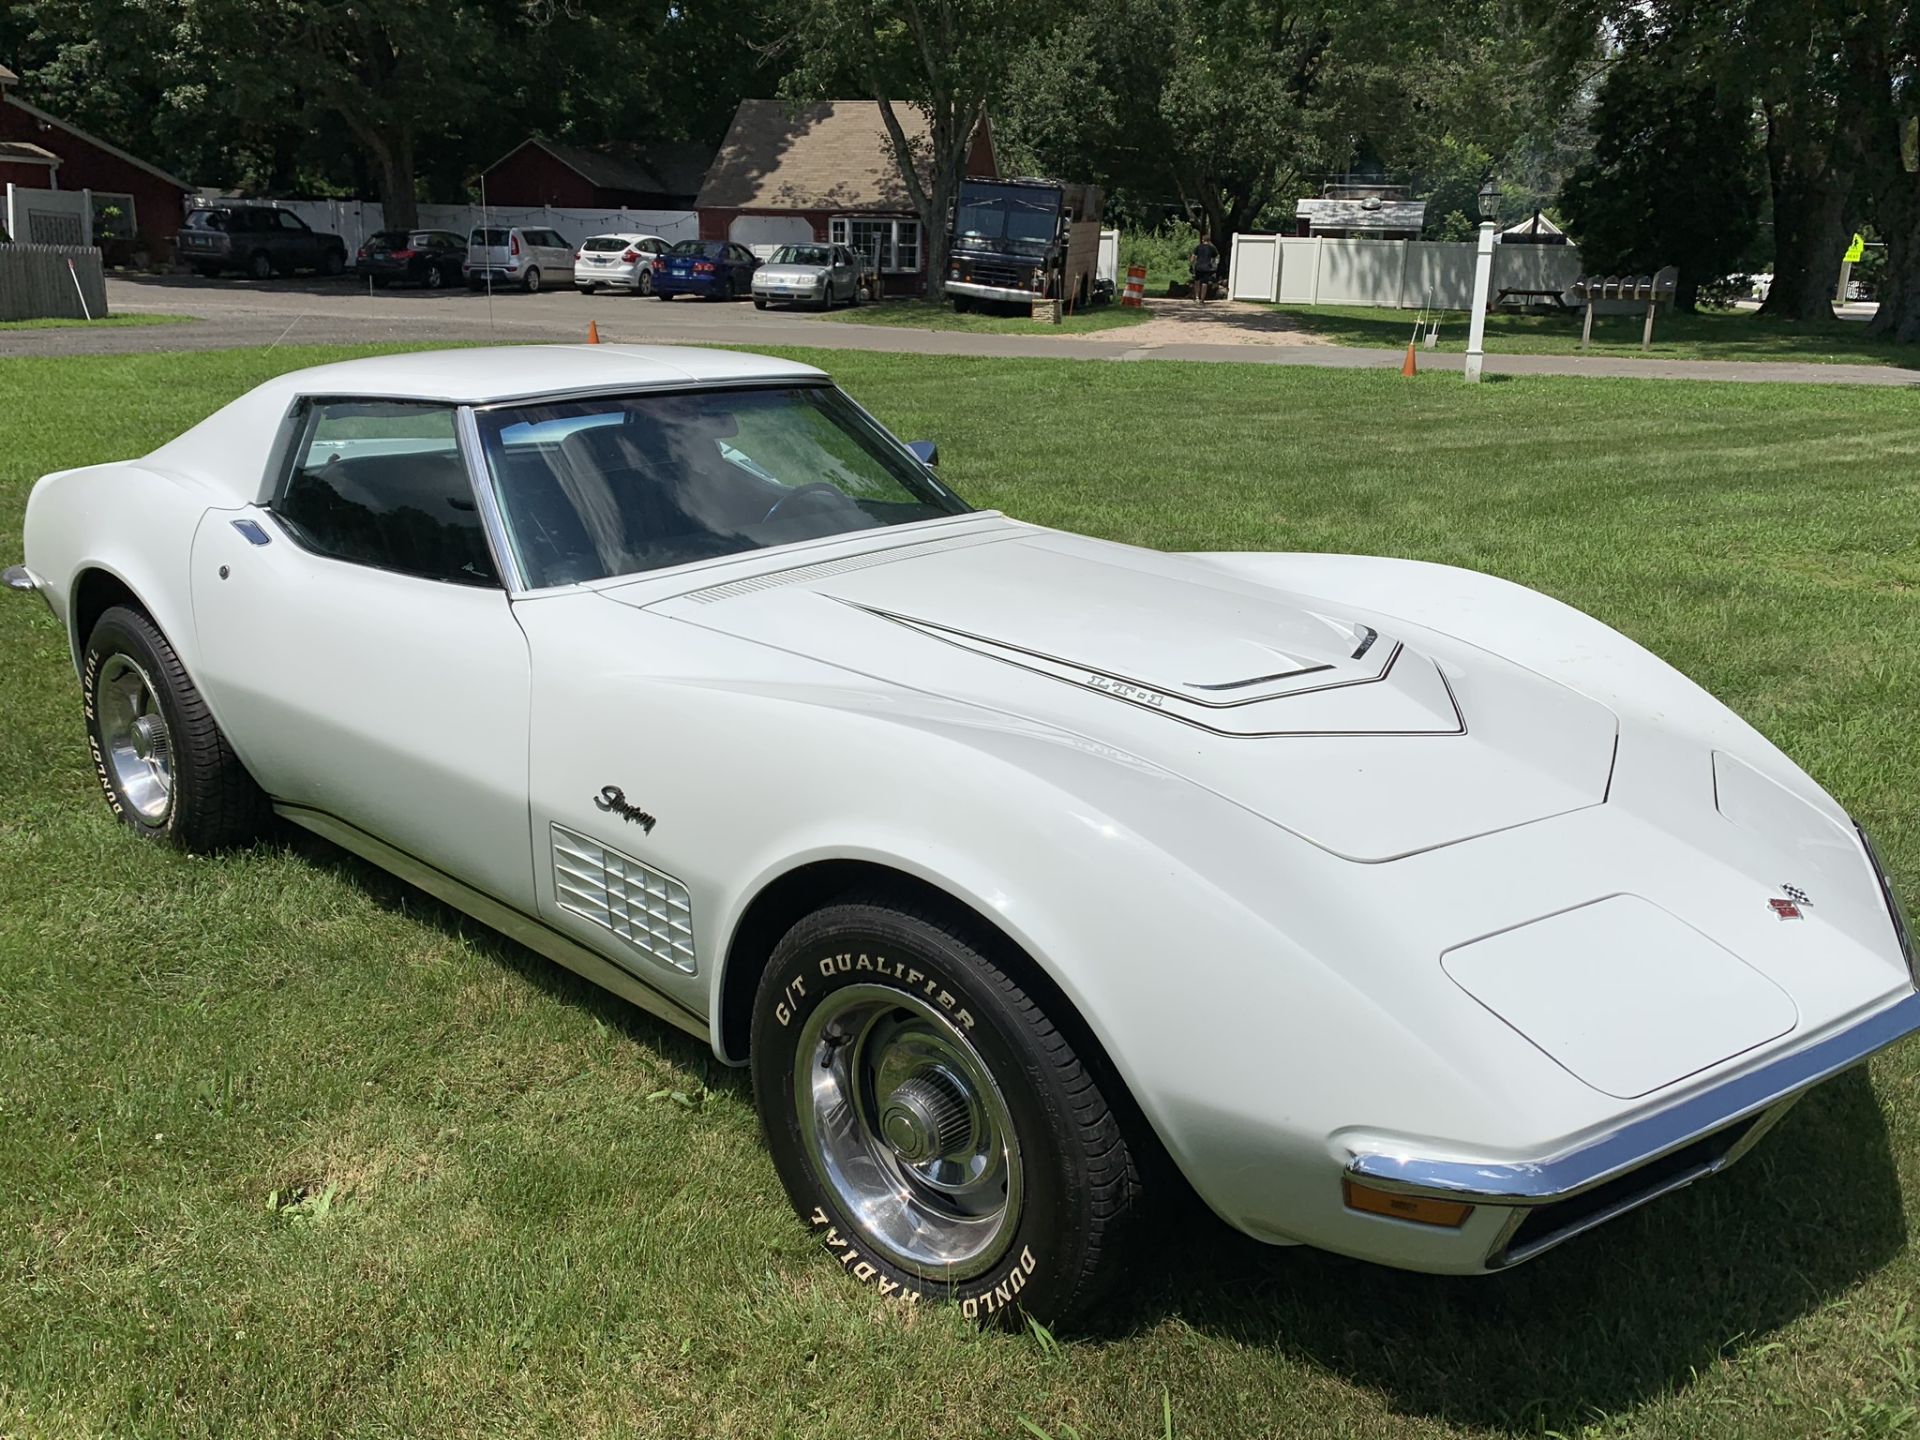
{"x":1017,"y":241}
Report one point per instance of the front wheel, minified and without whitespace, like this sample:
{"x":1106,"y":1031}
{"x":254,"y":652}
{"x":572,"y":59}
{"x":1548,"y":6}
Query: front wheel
{"x":962,"y":304}
{"x":758,"y":303}
{"x":164,"y":766}
{"x":260,"y":265}
{"x":436,"y":277}
{"x":931,"y":1123}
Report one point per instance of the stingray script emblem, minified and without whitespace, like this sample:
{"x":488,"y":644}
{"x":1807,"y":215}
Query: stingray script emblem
{"x":613,"y":800}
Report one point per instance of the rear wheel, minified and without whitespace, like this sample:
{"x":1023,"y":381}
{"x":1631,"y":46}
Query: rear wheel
{"x":645,"y":287}
{"x":530,"y":282}
{"x":164,"y":766}
{"x":207,"y":272}
{"x":727,"y":291}
{"x":661,"y":295}
{"x":334,"y":262}
{"x":260,"y":265}
{"x":380,"y":282}
{"x":931,"y":1123}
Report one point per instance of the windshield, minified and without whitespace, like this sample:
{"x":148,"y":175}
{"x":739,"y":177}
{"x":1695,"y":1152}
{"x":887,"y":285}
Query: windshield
{"x":1007,"y":217}
{"x":802,"y":255}
{"x":595,"y":488}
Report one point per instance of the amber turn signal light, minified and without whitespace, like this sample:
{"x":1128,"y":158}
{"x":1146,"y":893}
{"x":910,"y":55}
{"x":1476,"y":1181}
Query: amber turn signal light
{"x":1449,"y":1213}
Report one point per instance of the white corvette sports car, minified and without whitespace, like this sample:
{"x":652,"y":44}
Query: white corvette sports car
{"x":1406,"y":912}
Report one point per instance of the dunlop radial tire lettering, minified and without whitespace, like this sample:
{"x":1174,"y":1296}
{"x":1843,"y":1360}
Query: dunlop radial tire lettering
{"x":216,"y":805}
{"x":1083,"y":1190}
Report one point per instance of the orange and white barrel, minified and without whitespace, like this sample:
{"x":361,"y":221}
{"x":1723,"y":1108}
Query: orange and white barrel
{"x":1136,"y":285}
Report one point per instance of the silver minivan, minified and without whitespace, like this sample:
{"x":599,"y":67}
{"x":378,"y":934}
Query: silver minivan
{"x":522,"y":255}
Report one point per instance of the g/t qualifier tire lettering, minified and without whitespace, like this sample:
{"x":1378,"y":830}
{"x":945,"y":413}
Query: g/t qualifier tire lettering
{"x":1079,"y":1191}
{"x":215,"y":803}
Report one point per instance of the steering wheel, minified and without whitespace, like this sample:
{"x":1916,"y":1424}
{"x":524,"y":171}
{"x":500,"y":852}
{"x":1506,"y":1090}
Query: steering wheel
{"x":818,"y":487}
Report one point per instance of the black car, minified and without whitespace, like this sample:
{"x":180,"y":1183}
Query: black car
{"x":261,"y":240}
{"x":417,"y":257}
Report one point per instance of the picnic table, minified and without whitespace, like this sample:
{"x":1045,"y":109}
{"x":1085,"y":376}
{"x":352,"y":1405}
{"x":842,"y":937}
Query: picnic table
{"x":1555,"y":298}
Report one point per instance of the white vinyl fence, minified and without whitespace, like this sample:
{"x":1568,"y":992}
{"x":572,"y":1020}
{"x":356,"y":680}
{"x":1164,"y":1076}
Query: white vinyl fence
{"x":354,"y":220}
{"x":43,"y":282}
{"x":1402,"y":274}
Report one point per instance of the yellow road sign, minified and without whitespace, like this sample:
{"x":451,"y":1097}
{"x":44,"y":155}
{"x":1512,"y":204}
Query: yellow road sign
{"x":1857,"y":249}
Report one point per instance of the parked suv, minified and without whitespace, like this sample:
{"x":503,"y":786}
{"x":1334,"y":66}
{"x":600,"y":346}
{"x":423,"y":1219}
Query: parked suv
{"x":262,"y":240}
{"x":516,"y":255}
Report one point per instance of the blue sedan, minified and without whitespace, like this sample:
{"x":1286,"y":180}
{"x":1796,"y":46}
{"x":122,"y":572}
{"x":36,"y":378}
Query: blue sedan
{"x":716,"y":269}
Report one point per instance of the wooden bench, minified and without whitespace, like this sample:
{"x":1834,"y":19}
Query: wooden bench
{"x":1654,"y":290}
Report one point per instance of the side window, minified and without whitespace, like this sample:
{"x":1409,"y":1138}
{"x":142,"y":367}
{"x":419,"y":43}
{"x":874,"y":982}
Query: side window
{"x":287,"y":220}
{"x":381,"y":483}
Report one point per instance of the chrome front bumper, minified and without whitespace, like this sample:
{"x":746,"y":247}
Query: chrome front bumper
{"x":1646,"y":1157}
{"x":992,"y":292}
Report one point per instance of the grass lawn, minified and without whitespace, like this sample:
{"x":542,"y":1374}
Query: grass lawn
{"x":924,"y":315}
{"x":286,"y":1148}
{"x":61,"y":323}
{"x":1720,"y":335}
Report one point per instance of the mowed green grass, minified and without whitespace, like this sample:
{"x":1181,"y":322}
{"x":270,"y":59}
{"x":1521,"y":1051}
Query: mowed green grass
{"x":1001,"y":320}
{"x":1708,"y":335}
{"x":113,"y":322}
{"x":503,"y":1204}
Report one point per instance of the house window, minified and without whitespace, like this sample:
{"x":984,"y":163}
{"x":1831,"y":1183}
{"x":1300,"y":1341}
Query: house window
{"x":113,"y":217}
{"x":890,"y":246}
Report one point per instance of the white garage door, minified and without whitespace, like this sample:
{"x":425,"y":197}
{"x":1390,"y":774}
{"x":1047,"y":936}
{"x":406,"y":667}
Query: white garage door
{"x":762,"y":234}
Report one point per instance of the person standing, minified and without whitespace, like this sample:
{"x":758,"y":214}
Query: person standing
{"x":1205,"y":263}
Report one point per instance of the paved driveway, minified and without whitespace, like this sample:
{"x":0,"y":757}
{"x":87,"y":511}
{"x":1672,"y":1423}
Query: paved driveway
{"x":243,"y":312}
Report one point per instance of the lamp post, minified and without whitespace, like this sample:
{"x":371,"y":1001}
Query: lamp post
{"x":1482,"y":281}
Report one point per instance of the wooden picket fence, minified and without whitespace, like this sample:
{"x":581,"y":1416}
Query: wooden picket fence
{"x":37,"y":282}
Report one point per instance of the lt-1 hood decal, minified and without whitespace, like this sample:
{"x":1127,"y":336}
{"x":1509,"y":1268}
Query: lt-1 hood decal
{"x":1421,"y":702}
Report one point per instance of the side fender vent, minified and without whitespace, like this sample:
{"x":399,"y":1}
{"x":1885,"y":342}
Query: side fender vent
{"x":649,"y":910}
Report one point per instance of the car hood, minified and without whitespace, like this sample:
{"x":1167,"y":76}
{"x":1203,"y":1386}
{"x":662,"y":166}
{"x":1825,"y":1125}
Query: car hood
{"x":1364,"y":735}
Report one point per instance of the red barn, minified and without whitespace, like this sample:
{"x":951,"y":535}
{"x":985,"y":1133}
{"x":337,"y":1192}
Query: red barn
{"x":662,"y":176}
{"x":136,"y":206}
{"x":825,"y":172}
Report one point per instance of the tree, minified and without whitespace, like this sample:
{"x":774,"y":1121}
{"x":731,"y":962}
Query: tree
{"x":943,"y":58}
{"x":1675,"y":174}
{"x":1233,"y":107}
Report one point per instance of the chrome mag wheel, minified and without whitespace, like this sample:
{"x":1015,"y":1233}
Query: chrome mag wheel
{"x":904,"y":1122}
{"x":133,"y":732}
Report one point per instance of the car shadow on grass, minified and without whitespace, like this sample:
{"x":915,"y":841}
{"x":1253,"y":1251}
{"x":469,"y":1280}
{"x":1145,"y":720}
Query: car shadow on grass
{"x":548,"y":976}
{"x":1625,"y":1313}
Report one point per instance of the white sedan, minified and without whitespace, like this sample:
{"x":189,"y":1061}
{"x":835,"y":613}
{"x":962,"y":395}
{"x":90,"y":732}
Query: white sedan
{"x":1406,"y":912}
{"x":816,"y":275}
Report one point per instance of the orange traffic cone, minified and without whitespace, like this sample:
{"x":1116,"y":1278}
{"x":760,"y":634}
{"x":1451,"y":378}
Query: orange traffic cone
{"x":1407,"y":366}
{"x":593,"y":337}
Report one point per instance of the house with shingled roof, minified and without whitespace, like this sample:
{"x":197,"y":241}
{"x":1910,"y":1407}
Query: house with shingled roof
{"x":824,"y":172}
